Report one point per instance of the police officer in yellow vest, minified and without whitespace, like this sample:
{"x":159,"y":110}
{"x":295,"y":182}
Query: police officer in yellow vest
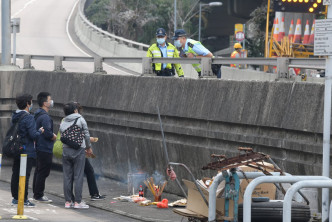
{"x":192,"y":48}
{"x":236,"y":54}
{"x":164,"y":49}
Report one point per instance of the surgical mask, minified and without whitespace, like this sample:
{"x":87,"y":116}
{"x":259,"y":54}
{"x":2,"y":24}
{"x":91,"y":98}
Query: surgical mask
{"x":160,"y":41}
{"x":51,"y":103}
{"x":177,"y":43}
{"x":30,"y":108}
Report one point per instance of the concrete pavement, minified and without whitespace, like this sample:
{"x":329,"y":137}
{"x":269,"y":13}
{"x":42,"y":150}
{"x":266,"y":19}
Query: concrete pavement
{"x":54,"y":211}
{"x":106,"y":186}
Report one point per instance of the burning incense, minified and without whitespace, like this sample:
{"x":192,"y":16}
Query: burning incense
{"x":156,"y":190}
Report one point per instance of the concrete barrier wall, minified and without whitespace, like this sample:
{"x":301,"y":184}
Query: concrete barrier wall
{"x":105,"y":46}
{"x":200,"y":117}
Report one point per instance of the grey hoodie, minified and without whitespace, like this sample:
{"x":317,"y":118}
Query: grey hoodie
{"x":67,"y":122}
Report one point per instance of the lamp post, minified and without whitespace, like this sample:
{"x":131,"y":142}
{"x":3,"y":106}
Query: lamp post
{"x":5,"y":34}
{"x":211,"y":4}
{"x":175,"y":15}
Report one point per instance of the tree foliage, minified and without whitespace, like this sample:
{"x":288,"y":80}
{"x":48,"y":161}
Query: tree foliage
{"x":256,"y":41}
{"x":139,"y":19}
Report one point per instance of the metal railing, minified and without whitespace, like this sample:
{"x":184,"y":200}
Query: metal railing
{"x":282,"y":64}
{"x":271,"y":179}
{"x":287,"y":205}
{"x":119,"y":39}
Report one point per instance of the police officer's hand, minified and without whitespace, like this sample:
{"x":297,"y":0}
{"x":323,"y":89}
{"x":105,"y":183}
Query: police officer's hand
{"x":190,"y":55}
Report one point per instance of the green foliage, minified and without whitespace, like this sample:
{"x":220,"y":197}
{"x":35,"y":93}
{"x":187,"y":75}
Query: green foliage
{"x":139,"y":19}
{"x":256,"y":42}
{"x":98,"y":13}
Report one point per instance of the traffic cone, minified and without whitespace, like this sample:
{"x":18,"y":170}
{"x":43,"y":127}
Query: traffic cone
{"x":306,"y":33}
{"x":276,"y":29}
{"x":298,"y":32}
{"x":291,"y":31}
{"x":281,"y":30}
{"x":312,"y":34}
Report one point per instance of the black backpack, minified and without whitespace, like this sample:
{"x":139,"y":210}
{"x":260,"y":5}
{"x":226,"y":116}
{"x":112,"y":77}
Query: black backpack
{"x":13,"y":145}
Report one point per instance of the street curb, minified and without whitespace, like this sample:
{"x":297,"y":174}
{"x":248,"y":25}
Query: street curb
{"x":119,"y":212}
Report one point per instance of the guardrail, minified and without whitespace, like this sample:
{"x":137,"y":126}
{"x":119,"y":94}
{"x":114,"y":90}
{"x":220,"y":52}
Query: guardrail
{"x":130,"y":43}
{"x":281,"y":63}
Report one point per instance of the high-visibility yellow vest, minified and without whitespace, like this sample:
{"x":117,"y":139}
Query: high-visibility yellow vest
{"x":235,"y":54}
{"x":172,"y":52}
{"x":191,"y":44}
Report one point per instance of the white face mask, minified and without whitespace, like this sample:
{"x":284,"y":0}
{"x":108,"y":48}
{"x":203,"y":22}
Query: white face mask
{"x":160,"y":41}
{"x":51,"y":104}
{"x":30,"y":108}
{"x":177,"y":43}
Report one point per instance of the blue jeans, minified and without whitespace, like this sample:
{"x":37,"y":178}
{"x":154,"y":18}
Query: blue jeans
{"x":219,"y":74}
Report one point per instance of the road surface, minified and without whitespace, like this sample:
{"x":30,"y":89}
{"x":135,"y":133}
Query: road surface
{"x":44,"y":30}
{"x":54,"y":211}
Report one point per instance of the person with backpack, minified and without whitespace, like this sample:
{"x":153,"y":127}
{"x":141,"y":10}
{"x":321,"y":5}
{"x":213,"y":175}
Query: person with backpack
{"x":44,"y":147}
{"x":26,"y":130}
{"x":88,"y":169}
{"x":75,"y":137}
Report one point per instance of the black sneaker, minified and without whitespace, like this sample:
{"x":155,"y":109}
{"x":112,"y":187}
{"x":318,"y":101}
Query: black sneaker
{"x":29,"y":204}
{"x":98,"y":197}
{"x":14,"y":202}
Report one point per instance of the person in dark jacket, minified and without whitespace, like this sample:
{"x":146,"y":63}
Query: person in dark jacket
{"x":29,"y":134}
{"x":44,"y":147}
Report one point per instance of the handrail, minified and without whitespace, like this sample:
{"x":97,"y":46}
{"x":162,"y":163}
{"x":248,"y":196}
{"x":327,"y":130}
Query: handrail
{"x":282,"y":63}
{"x":118,"y":38}
{"x":270,"y":179}
{"x":293,"y":62}
{"x":287,"y":205}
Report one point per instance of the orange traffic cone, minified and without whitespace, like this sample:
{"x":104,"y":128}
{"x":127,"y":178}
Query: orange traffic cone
{"x":291,"y":31}
{"x":298,"y":32}
{"x":306,"y":33}
{"x":281,"y":30}
{"x":276,"y":30}
{"x":312,"y":34}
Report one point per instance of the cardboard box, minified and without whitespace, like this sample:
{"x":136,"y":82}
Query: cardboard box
{"x":262,"y":190}
{"x":196,"y":206}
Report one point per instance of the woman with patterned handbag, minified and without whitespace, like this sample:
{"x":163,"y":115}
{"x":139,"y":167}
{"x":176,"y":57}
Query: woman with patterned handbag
{"x":76,"y":142}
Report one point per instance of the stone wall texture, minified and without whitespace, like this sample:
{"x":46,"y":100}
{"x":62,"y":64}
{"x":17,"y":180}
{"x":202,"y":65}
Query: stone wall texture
{"x":200,"y":117}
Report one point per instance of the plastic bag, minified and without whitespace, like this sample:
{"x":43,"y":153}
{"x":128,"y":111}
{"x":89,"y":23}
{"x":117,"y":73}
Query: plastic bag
{"x":58,"y":148}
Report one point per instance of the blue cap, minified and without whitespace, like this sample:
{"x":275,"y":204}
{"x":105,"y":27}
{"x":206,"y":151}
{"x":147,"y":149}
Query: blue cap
{"x":160,"y":32}
{"x":178,"y":33}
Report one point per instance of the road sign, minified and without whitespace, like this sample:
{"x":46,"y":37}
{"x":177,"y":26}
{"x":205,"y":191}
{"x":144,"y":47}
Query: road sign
{"x":323,"y":37}
{"x":15,"y":22}
{"x":239,"y":36}
{"x":238,"y":28}
{"x":304,"y":6}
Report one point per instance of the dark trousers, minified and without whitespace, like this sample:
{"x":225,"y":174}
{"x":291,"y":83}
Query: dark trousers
{"x":43,"y":169}
{"x":90,"y":176}
{"x":16,"y":177}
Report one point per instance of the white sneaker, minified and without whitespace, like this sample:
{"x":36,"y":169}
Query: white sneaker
{"x":43,"y":199}
{"x":81,"y":205}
